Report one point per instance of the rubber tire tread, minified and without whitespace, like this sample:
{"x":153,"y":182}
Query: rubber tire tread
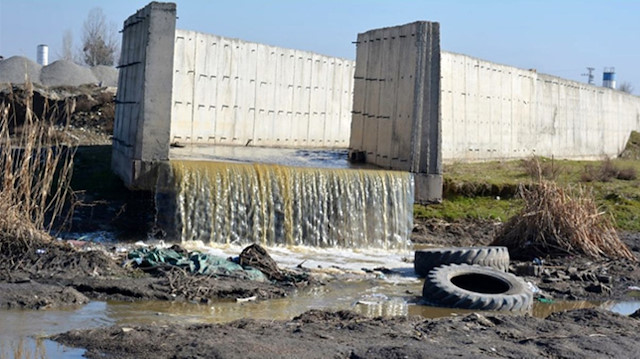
{"x":438,"y":290}
{"x":495,"y":257}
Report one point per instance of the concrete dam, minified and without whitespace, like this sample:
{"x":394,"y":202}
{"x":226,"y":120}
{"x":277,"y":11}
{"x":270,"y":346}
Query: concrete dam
{"x":195,"y":111}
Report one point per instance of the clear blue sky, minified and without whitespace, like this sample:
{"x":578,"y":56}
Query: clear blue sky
{"x":556,"y":37}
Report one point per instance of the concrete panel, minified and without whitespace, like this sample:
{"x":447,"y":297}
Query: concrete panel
{"x":205,"y":89}
{"x":249,"y":78}
{"x":143,"y":105}
{"x":396,"y":118}
{"x":502,"y":112}
{"x":232,"y":92}
{"x":184,"y":84}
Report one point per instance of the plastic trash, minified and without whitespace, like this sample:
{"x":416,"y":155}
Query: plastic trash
{"x":533,"y":288}
{"x":194,"y":262}
{"x":538,"y":261}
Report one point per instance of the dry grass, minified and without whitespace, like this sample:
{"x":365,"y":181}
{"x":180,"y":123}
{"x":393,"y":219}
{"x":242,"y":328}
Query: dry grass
{"x":538,"y":168}
{"x":559,"y":221}
{"x":35,"y":169}
{"x":607,"y":172}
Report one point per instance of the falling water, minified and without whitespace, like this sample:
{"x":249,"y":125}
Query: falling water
{"x":223,"y":202}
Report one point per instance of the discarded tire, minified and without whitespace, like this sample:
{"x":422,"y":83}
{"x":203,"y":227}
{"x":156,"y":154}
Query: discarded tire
{"x":476,"y":287}
{"x":494,"y":257}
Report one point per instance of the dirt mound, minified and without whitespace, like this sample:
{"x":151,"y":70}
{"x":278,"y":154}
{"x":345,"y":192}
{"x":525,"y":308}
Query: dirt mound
{"x":66,"y":73}
{"x":40,"y":257}
{"x":107,"y":76}
{"x":459,"y":233}
{"x":14,"y":69}
{"x":32,"y":295}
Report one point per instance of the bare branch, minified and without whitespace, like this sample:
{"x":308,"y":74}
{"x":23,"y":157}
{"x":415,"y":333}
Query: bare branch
{"x":626,"y":87}
{"x":99,"y":40}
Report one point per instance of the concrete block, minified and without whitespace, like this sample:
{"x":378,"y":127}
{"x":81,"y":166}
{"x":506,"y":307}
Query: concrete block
{"x":428,"y":188}
{"x":396,"y":117}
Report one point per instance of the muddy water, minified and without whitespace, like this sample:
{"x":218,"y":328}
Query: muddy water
{"x":22,"y":332}
{"x":352,"y":284}
{"x":393,"y":295}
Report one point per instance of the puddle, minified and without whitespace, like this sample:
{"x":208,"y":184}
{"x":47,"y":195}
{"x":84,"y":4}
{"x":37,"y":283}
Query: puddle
{"x":624,"y":308}
{"x":364,"y":297}
{"x":22,"y":331}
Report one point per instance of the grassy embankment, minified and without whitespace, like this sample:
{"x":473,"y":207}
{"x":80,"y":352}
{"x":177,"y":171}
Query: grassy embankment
{"x":489,"y":190}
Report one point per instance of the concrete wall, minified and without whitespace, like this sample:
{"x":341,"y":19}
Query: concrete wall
{"x":233,"y":92}
{"x":493,"y":111}
{"x":143,"y":101}
{"x":396,"y":113}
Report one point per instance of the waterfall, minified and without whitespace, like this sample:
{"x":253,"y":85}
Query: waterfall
{"x":222,"y":202}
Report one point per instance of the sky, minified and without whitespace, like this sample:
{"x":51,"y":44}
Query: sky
{"x":558,"y":37}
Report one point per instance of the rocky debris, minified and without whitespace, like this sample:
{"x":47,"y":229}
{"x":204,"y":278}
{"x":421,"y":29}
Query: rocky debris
{"x":86,"y":112}
{"x":598,"y":288}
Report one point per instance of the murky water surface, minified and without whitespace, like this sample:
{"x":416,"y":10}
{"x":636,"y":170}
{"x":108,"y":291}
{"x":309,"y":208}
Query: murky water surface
{"x":318,"y":158}
{"x":354,"y":285}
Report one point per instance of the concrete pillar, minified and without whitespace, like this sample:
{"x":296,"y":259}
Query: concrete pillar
{"x":143,"y":102}
{"x":396,"y":105}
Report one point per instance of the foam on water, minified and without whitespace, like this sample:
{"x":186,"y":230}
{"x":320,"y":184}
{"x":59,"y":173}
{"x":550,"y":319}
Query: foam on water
{"x":339,"y":262}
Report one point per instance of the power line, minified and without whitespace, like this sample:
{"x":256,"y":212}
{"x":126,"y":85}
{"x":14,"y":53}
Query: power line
{"x":589,"y":75}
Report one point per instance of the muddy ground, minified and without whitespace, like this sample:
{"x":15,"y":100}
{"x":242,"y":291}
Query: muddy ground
{"x":41,"y":275}
{"x":317,"y":334}
{"x":56,"y":274}
{"x":585,"y":333}
{"x":571,"y":278}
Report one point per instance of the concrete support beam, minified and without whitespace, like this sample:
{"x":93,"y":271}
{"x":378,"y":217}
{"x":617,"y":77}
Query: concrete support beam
{"x":143,"y":102}
{"x":396,"y":105}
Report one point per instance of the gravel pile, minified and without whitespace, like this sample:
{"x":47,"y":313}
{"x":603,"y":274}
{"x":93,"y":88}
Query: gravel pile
{"x":15,"y":68}
{"x":106,"y":75}
{"x":59,"y":73}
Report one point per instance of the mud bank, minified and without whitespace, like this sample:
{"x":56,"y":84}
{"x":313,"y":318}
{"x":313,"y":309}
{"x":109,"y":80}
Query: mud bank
{"x":317,"y":334}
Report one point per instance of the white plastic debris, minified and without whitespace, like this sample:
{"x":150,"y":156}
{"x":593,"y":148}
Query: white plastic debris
{"x":533,"y":288}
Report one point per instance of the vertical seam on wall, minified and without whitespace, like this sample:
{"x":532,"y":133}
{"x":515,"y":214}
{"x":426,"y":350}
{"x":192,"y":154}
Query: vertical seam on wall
{"x":194,"y":84}
{"x":418,"y":101}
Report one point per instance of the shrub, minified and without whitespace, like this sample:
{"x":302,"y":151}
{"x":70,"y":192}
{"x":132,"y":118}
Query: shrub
{"x":35,"y":169}
{"x":559,"y":221}
{"x":538,"y":168}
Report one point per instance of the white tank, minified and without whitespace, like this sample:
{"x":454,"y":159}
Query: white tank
{"x":43,"y":55}
{"x":609,"y":77}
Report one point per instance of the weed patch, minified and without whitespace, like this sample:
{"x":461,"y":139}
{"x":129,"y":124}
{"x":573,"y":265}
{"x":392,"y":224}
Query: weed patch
{"x":557,"y":221}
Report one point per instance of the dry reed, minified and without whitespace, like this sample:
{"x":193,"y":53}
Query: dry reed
{"x":35,"y":170}
{"x":559,"y":221}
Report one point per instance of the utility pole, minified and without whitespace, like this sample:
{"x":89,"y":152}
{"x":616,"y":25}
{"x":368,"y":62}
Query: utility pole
{"x":589,"y":75}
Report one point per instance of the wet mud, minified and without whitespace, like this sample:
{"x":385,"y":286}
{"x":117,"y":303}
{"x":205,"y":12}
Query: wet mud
{"x":586,"y":333}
